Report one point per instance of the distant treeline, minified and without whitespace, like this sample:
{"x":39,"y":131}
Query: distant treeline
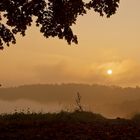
{"x":100,"y":98}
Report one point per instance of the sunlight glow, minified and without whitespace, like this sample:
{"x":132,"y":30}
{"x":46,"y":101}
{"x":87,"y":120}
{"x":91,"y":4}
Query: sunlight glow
{"x":109,"y":72}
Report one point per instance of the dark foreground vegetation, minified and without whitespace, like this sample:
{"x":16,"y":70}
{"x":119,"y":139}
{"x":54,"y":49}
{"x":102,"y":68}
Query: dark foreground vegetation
{"x":77,"y":125}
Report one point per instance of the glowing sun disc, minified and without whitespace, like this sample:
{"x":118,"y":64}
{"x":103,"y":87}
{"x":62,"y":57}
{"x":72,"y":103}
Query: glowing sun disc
{"x":109,"y":72}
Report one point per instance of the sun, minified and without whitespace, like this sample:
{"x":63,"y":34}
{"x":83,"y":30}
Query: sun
{"x":109,"y":72}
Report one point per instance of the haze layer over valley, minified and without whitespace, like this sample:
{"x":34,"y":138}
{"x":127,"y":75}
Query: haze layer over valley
{"x":110,"y":101}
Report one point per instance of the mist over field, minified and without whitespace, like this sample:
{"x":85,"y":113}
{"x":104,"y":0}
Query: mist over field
{"x":110,"y":101}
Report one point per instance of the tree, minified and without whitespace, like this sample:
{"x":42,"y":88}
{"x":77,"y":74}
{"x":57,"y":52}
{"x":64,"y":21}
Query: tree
{"x":53,"y":17}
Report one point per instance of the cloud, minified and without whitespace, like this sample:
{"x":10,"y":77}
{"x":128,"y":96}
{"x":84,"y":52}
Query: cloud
{"x":125,"y":72}
{"x":61,"y":69}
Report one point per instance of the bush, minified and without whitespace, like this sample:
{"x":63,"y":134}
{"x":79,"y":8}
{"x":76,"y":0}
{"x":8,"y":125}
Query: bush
{"x":136,"y":117}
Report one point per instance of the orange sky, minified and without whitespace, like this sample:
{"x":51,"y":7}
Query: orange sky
{"x":103,"y":44}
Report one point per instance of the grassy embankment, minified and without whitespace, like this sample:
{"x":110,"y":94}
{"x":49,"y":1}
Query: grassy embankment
{"x":67,"y":125}
{"x":77,"y":125}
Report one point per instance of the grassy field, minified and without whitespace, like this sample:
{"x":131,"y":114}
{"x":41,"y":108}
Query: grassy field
{"x":77,"y":125}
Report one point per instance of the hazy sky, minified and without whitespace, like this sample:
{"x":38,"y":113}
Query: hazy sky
{"x":104,"y":44}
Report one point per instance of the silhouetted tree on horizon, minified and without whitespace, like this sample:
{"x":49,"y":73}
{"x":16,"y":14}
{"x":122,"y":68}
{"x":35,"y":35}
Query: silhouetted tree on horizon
{"x":53,"y":17}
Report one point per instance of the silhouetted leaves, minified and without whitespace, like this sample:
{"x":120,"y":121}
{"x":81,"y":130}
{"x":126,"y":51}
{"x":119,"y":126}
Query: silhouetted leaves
{"x":54,"y":17}
{"x":58,"y":18}
{"x":107,"y":7}
{"x":6,"y":35}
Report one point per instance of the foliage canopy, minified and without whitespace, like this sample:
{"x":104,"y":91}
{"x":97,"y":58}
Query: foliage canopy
{"x":53,"y":17}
